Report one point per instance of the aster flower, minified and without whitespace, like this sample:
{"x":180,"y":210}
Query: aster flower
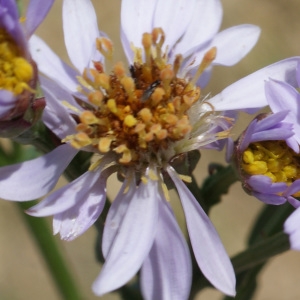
{"x":267,"y":153}
{"x":18,"y":71}
{"x":138,"y":124}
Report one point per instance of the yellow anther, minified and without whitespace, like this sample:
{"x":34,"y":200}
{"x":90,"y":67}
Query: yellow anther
{"x":157,"y":96}
{"x":274,"y":165}
{"x":112,"y":106}
{"x":105,"y":46}
{"x":170,"y":119}
{"x":248,"y":157}
{"x":104,"y":144}
{"x":96,"y":97}
{"x":145,"y":115}
{"x":139,"y":127}
{"x":80,"y":140}
{"x":185,"y":178}
{"x":119,"y":70}
{"x":128,"y":85}
{"x":130,"y":121}
{"x":22,"y":69}
{"x":290,"y":171}
{"x":102,"y":80}
{"x":162,"y":134}
{"x":256,"y":168}
{"x":155,"y":128}
{"x":87,"y":117}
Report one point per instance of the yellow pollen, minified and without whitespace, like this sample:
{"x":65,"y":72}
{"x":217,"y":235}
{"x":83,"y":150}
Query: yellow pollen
{"x":273,"y":159}
{"x":102,"y":80}
{"x":87,"y":117}
{"x":96,"y":97}
{"x":112,"y":106}
{"x":157,"y":96}
{"x":104,"y":144}
{"x":130,"y":121}
{"x":146,"y":115}
{"x":15,"y":70}
{"x":105,"y":47}
{"x":128,"y":85}
{"x":119,"y":70}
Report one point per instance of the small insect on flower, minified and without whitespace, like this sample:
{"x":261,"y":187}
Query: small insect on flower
{"x":149,"y":91}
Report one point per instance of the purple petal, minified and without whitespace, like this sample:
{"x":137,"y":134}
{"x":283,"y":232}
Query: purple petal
{"x":167,"y":15}
{"x":249,"y":92}
{"x":167,"y":271}
{"x":133,"y":240}
{"x":80,"y":217}
{"x":282,"y":96}
{"x":51,"y":65}
{"x":116,"y":214}
{"x":36,"y":13}
{"x":56,"y":116}
{"x":272,"y":199}
{"x":65,"y":197}
{"x":201,"y":30}
{"x":271,"y":120}
{"x":264,"y":184}
{"x":208,"y":248}
{"x":80,"y":31}
{"x":235,"y":43}
{"x":7,"y":102}
{"x":293,"y":188}
{"x":35,"y":178}
{"x":291,"y":227}
{"x":136,"y":19}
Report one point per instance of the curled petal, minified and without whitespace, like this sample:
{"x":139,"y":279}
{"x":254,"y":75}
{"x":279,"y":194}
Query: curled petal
{"x":291,"y":227}
{"x":35,"y":178}
{"x":167,"y":271}
{"x":208,"y":248}
{"x":133,"y":241}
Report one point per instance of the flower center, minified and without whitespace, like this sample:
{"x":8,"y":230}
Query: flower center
{"x":15,"y":70}
{"x":273,"y":159}
{"x":138,"y":116}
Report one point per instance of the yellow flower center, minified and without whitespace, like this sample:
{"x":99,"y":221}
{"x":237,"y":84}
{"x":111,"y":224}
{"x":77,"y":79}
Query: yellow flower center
{"x":273,"y":159}
{"x":15,"y":71}
{"x":139,"y":116}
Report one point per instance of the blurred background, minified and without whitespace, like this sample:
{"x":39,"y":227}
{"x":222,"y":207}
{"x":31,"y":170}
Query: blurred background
{"x":23,"y":274}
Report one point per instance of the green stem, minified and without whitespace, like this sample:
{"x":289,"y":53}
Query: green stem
{"x":261,"y":252}
{"x":52,"y":254}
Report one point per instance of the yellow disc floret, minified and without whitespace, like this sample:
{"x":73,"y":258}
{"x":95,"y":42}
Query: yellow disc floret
{"x":273,"y":159}
{"x":15,"y":70}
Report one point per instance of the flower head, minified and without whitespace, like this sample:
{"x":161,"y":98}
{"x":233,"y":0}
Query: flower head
{"x":267,"y":153}
{"x":18,"y":73}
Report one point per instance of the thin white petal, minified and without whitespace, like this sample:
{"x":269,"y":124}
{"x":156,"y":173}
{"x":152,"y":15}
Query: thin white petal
{"x":66,"y":197}
{"x":116,"y":214}
{"x":80,"y":31}
{"x":80,"y":217}
{"x":132,"y":242}
{"x":167,"y":271}
{"x":235,"y":43}
{"x":205,"y":23}
{"x":208,"y":248}
{"x":136,"y":19}
{"x":51,"y":65}
{"x":167,"y":16}
{"x":249,"y":92}
{"x":35,"y":178}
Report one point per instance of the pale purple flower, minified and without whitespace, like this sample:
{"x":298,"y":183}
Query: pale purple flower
{"x":15,"y":53}
{"x":267,"y":153}
{"x":140,"y":230}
